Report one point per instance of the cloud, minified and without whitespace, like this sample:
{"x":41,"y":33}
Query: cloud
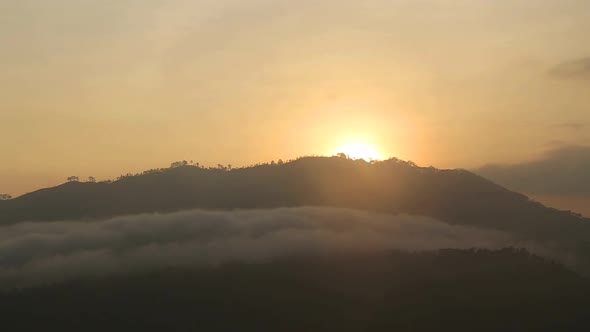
{"x":561,"y":171}
{"x":576,"y":69}
{"x":39,"y":253}
{"x":570,"y":126}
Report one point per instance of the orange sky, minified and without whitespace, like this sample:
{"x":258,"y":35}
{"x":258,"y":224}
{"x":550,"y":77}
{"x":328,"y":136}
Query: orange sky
{"x":108,"y":87}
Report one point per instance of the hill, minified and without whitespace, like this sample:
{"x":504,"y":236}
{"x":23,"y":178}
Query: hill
{"x":392,"y":186}
{"x":448,"y":290}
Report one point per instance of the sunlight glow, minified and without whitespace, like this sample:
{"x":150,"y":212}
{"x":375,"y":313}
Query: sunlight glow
{"x":360,"y":151}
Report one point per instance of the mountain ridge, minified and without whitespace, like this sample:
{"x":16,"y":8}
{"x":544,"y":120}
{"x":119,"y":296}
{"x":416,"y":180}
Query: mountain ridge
{"x":391,"y":186}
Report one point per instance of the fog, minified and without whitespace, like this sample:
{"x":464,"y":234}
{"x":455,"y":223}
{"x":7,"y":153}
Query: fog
{"x":35,"y":253}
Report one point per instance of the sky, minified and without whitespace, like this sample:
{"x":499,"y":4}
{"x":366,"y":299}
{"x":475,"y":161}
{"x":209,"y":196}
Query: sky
{"x":106,"y":87}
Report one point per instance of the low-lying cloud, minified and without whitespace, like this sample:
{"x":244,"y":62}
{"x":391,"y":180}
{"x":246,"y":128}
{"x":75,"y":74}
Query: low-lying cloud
{"x":562,"y":171}
{"x":39,"y":253}
{"x":574,"y":69}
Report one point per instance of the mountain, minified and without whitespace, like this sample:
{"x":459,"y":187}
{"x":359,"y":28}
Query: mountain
{"x":392,"y":186}
{"x":447,"y":290}
{"x":558,"y":178}
{"x":184,"y":273}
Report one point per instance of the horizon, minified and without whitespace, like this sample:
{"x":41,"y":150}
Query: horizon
{"x":570,"y":200}
{"x":216,"y":166}
{"x":572,"y":203}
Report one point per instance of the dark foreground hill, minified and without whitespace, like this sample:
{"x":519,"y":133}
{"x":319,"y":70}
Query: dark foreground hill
{"x":393,"y":186}
{"x":449,"y":290}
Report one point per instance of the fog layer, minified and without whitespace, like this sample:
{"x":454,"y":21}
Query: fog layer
{"x":38,"y":253}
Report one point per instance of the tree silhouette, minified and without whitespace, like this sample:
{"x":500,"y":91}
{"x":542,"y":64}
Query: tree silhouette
{"x":73,"y":179}
{"x":5,"y":197}
{"x":177,"y":164}
{"x":92,"y":179}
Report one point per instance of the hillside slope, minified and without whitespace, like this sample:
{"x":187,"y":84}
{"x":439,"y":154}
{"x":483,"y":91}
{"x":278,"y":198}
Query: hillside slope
{"x":393,"y":186}
{"x":449,"y":290}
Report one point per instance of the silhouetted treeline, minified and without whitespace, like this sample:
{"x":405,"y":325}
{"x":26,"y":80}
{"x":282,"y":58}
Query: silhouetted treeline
{"x":449,"y":290}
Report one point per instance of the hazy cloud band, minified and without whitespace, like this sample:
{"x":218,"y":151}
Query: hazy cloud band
{"x":38,"y":253}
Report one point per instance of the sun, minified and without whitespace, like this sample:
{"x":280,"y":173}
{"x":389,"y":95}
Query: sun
{"x":360,"y":151}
